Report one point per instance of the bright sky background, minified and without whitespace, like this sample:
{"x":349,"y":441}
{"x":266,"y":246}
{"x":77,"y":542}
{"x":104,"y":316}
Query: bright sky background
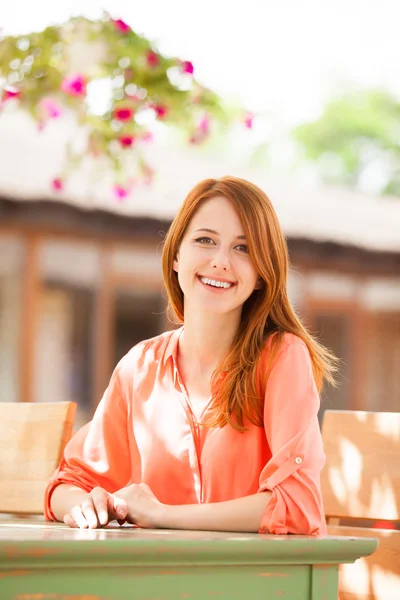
{"x":284,"y":57}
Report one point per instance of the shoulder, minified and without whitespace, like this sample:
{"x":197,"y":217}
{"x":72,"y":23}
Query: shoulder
{"x":284,"y":354}
{"x":279,"y":345}
{"x":143,"y":357}
{"x":290,"y":339}
{"x":152,"y":349}
{"x":289,"y":377}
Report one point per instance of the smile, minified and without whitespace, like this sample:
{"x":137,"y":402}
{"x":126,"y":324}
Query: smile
{"x":216,"y":283}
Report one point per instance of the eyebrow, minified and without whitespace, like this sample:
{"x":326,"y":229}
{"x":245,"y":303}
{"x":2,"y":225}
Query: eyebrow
{"x":238,"y":237}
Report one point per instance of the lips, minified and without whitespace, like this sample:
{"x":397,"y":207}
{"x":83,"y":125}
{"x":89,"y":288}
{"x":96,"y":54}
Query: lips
{"x":217,"y":279}
{"x":216,"y":285}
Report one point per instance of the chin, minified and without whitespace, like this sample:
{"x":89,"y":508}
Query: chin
{"x":221,"y":311}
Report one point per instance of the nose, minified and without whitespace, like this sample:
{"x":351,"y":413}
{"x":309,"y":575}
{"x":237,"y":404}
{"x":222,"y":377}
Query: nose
{"x":221,"y":260}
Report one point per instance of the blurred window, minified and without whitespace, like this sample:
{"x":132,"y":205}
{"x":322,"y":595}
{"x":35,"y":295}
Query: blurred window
{"x":334,"y":331}
{"x":70,"y":261}
{"x":142,"y":263}
{"x":64,"y":350}
{"x":12,"y":255}
{"x":138,"y":316}
{"x":70,"y":273}
{"x":382,"y":385}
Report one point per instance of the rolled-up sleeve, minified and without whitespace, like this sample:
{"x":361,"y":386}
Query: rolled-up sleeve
{"x":98,"y":454}
{"x":293,"y":434}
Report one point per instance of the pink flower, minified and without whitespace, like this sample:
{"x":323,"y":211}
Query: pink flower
{"x":187,"y":67}
{"x":161,"y":111}
{"x":11,"y":93}
{"x":204,"y":124}
{"x":201,"y":131}
{"x":126,"y":141}
{"x":147,"y":137}
{"x":57,"y":184}
{"x":121,"y":25}
{"x":74,"y":85}
{"x":248,"y":120}
{"x":152,"y":58}
{"x":120,"y":192}
{"x":123,"y":114}
{"x":50,"y":108}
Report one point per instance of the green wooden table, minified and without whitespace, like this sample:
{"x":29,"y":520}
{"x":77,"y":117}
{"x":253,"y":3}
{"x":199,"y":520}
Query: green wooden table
{"x":48,"y":561}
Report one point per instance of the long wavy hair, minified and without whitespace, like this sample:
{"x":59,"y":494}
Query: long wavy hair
{"x":267,"y":313}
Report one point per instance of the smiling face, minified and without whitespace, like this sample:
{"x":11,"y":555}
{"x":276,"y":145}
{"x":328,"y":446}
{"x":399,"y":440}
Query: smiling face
{"x":214,"y":268}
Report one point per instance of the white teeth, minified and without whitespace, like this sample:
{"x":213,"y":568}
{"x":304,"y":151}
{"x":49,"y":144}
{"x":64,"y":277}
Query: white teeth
{"x":215,"y":283}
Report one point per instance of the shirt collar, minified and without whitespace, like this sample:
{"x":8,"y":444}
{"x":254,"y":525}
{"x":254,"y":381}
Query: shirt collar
{"x":172,"y":345}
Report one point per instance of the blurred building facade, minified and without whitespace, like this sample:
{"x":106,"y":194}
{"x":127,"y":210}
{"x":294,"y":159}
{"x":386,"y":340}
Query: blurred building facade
{"x":79,"y":288}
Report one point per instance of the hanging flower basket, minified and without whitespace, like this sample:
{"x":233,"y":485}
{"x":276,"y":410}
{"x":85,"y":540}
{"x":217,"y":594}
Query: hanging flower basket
{"x":70,"y":68}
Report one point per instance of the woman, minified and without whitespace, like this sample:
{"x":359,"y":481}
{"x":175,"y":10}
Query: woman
{"x":212,"y":426}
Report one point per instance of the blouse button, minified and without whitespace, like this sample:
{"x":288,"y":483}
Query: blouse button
{"x":298,"y":460}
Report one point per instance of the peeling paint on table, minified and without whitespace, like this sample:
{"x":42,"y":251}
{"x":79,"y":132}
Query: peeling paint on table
{"x":55,"y":597}
{"x":13,"y":573}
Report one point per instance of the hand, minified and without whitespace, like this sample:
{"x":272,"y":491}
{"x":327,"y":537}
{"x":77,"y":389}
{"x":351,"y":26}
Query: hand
{"x":99,"y":508}
{"x":143,"y":506}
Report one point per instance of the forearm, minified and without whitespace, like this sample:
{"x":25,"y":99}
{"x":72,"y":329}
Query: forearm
{"x":240,"y":515}
{"x":64,"y":497}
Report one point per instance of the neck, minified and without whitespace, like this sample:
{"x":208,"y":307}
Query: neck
{"x":207,"y":339}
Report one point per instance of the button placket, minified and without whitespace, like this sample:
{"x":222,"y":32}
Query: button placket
{"x":194,"y":459}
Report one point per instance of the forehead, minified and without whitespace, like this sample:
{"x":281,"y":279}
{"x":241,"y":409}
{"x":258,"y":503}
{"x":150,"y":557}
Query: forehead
{"x":218,"y":212}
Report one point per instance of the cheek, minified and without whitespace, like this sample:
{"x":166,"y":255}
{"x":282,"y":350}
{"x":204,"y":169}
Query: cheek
{"x":191,"y":259}
{"x":246,"y":267}
{"x":252,"y":276}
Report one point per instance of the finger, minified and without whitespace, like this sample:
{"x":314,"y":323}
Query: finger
{"x":78,"y":517}
{"x":90,"y":514}
{"x":145,"y":487}
{"x":69,"y":521}
{"x":100,"y":498}
{"x":119,"y":507}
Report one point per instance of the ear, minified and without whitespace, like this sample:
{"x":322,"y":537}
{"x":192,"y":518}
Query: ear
{"x":259,"y":283}
{"x":175,"y":264}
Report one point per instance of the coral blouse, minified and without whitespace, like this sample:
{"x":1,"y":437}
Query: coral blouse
{"x":143,"y":431}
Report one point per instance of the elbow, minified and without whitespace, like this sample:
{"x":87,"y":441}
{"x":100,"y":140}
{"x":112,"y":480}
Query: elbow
{"x":286,"y":514}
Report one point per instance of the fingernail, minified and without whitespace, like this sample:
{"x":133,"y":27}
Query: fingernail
{"x":121,"y":513}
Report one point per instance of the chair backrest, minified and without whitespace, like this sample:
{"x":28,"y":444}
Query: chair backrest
{"x":361,"y":478}
{"x":32,"y":439}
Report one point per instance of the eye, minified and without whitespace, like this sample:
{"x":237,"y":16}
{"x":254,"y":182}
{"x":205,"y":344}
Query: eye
{"x":243,"y":248}
{"x":205,"y":241}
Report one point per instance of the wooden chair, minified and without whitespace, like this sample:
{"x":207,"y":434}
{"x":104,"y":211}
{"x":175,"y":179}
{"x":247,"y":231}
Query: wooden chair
{"x":32,"y":440}
{"x":361,"y":481}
